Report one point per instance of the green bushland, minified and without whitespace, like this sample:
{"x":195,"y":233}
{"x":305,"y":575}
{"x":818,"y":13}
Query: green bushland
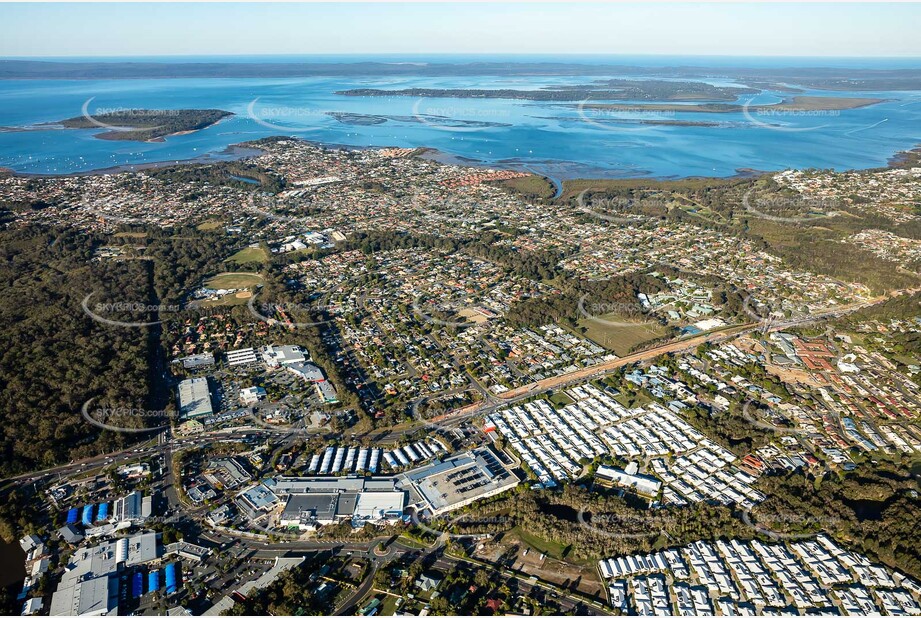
{"x":148,"y":124}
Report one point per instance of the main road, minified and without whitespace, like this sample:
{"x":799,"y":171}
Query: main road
{"x":603,"y":369}
{"x":484,"y":407}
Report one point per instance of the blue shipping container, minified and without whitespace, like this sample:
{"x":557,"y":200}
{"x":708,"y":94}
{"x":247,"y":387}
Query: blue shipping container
{"x":137,"y":585}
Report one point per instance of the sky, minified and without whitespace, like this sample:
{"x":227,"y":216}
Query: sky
{"x":687,"y":28}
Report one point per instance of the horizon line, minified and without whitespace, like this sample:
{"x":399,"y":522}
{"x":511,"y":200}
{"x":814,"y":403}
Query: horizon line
{"x":457,"y":53}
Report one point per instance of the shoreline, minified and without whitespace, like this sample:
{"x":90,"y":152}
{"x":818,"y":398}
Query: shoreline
{"x":112,"y":136}
{"x":244,"y":150}
{"x":234,"y":152}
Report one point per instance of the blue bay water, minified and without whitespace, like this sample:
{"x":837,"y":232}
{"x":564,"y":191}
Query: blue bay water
{"x":562,"y":140}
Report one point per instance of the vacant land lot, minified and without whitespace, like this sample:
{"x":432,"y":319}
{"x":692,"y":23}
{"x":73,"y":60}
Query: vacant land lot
{"x":536,"y":556}
{"x":618,"y":334}
{"x":560,"y":399}
{"x":550,"y":548}
{"x":209,"y":226}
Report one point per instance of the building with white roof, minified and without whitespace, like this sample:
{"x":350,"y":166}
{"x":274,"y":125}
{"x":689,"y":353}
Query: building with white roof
{"x":194,"y":398}
{"x":251,"y":395}
{"x":243,"y":356}
{"x":277,"y":355}
{"x":90,"y":583}
{"x":642,"y":484}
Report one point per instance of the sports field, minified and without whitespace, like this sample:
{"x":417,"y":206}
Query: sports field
{"x":233,"y":281}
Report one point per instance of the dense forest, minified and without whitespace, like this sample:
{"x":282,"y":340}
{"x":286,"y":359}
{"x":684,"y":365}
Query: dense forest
{"x":902,"y":307}
{"x":871,"y":510}
{"x":140,"y":125}
{"x":874,"y":509}
{"x":581,"y":298}
{"x":589,"y":525}
{"x":584,"y":297}
{"x":226,"y":173}
{"x":54,"y":357}
{"x":181,"y":257}
{"x":20,"y":511}
{"x":731,"y":429}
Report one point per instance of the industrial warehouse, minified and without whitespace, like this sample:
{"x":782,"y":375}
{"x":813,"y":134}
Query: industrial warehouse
{"x":312,"y":502}
{"x":443,"y":486}
{"x":316,"y":502}
{"x":194,"y":398}
{"x":433,"y":489}
{"x":95,"y":581}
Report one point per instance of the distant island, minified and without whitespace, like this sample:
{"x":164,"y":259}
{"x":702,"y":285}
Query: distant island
{"x":145,"y":125}
{"x":641,"y":121}
{"x":779,"y":78}
{"x":793,"y":104}
{"x":357,"y":119}
{"x":607,"y":90}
